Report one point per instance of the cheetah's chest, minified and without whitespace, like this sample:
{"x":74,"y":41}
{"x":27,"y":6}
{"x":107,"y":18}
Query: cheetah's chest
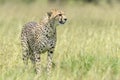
{"x":44,"y":40}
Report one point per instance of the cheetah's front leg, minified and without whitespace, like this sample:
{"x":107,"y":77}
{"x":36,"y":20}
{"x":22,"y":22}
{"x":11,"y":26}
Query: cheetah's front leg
{"x":49,"y":64}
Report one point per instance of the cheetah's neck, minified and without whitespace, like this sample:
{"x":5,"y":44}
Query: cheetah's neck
{"x":48,"y":22}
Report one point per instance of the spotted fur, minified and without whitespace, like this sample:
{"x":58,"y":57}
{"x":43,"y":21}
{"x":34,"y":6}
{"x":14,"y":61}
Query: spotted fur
{"x":37,"y":38}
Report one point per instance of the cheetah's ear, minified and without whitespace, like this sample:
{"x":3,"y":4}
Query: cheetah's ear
{"x":49,"y":14}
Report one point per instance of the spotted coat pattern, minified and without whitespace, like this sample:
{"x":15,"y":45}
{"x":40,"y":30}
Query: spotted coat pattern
{"x":37,"y":38}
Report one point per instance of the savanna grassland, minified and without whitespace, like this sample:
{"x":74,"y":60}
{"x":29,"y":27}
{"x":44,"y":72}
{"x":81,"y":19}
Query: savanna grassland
{"x":88,"y":45}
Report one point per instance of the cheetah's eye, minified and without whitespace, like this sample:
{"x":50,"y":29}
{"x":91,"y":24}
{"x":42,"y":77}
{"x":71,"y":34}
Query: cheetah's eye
{"x":60,"y":14}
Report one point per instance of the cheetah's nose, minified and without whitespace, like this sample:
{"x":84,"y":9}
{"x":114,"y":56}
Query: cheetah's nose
{"x":65,"y":19}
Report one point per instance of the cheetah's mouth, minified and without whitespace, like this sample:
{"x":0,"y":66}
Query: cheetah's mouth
{"x":61,"y":22}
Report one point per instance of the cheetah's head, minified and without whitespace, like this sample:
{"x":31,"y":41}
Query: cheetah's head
{"x":57,"y":15}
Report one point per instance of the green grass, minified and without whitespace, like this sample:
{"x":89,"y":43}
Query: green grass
{"x":88,"y":45}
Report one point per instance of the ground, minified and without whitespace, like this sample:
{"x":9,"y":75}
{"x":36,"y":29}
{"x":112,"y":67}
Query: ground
{"x":88,"y":45}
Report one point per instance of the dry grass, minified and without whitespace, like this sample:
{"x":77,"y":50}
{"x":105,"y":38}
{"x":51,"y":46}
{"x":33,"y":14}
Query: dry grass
{"x":88,"y":46}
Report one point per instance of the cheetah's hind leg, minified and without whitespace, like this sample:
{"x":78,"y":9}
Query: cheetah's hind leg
{"x":36,"y":60}
{"x":25,"y":53}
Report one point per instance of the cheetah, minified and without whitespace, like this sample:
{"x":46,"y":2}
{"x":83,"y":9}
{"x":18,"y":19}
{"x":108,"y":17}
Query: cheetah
{"x":37,"y":38}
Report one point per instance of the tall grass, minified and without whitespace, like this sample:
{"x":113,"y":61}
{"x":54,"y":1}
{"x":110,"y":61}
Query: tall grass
{"x":88,"y":45}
